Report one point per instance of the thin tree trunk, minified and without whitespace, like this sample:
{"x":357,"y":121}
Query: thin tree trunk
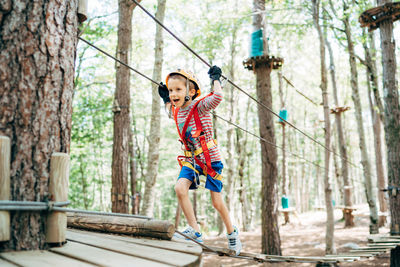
{"x":270,"y":240}
{"x":392,"y":117}
{"x":230,"y":137}
{"x":285,"y":183}
{"x":372,"y":79}
{"x":120,"y":156}
{"x":37,"y":53}
{"x":369,"y":190}
{"x":329,"y":237}
{"x":347,"y":197}
{"x":241,"y":143}
{"x":154,"y":137}
{"x":133,"y":172}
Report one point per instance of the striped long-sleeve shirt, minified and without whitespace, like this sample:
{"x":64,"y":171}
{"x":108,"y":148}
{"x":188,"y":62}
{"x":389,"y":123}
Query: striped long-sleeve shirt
{"x":204,"y":107}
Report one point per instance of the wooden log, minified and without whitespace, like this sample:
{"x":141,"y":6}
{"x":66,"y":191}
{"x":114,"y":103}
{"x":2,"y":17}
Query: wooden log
{"x":58,"y":189}
{"x":122,"y":225}
{"x":5,"y":152}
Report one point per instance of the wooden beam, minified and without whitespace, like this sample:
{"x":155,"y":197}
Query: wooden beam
{"x":58,"y":189}
{"x":5,"y":152}
{"x":121,"y":225}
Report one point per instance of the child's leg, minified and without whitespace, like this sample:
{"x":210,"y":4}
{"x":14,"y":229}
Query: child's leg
{"x":182,"y":192}
{"x":219,"y":205}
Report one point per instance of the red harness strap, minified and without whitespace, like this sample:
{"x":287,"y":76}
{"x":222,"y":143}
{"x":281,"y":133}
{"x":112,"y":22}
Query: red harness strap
{"x":207,"y":169}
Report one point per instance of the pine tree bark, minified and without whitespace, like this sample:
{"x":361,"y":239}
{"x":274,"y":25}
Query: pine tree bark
{"x":369,"y":190}
{"x":348,"y":218}
{"x":392,"y":117}
{"x":270,"y":240}
{"x":329,"y":237}
{"x":120,"y":156}
{"x":154,"y":138}
{"x":37,"y":53}
{"x":133,"y":175}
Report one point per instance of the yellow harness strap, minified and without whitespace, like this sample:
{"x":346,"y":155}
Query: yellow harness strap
{"x":189,"y":165}
{"x":198,"y":151}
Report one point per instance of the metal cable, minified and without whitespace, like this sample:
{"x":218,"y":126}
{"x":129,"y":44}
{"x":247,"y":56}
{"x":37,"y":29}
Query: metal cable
{"x":57,"y":206}
{"x":119,"y":61}
{"x":240,"y":89}
{"x":102,"y":213}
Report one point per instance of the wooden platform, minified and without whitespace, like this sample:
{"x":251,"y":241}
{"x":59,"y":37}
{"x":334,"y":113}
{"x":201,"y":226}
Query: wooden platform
{"x":85,"y":248}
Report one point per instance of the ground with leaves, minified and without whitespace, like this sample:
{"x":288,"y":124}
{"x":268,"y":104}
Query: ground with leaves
{"x":304,"y":236}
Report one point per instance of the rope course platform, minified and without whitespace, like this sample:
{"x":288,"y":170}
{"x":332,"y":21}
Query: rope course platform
{"x":254,"y":62}
{"x":372,"y":18}
{"x":335,"y":110}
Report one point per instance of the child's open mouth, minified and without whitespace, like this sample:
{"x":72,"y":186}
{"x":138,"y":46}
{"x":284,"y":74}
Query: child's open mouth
{"x":175,"y":101}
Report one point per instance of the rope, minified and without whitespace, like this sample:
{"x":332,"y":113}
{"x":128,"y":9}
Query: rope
{"x":240,"y":89}
{"x":103,"y":213}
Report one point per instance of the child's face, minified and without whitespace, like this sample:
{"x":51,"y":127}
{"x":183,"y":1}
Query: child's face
{"x":177,"y":93}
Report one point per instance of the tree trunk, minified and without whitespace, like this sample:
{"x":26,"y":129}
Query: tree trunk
{"x":329,"y":237}
{"x":285,"y":184}
{"x":133,"y":174}
{"x":154,"y":138}
{"x":241,"y":143}
{"x":349,"y":222}
{"x":372,"y":79}
{"x":392,"y":117}
{"x":37,"y":52}
{"x":270,"y":240}
{"x":122,"y":99}
{"x":230,"y":137}
{"x":369,"y":190}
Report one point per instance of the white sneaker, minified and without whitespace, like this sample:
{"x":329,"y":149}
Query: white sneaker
{"x":190,"y":232}
{"x":234,"y":241}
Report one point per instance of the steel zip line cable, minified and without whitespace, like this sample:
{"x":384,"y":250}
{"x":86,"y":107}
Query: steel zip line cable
{"x":237,"y":126}
{"x":237,"y":87}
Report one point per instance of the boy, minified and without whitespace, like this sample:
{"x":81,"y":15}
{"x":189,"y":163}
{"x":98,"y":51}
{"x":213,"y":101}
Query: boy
{"x":202,"y":156}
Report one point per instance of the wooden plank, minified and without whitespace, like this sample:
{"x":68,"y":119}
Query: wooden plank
{"x":58,"y":189}
{"x":185,"y":247}
{"x":4,"y":263}
{"x":128,"y":248}
{"x":5,"y":153}
{"x":102,"y":257}
{"x":41,"y":258}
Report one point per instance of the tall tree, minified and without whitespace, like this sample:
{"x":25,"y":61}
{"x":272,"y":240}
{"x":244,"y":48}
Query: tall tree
{"x":37,"y":52}
{"x":348,"y":218}
{"x":392,"y":117}
{"x":376,"y":116}
{"x":122,"y":122}
{"x":270,"y":240}
{"x":154,"y":138}
{"x":369,"y":190}
{"x":329,"y":237}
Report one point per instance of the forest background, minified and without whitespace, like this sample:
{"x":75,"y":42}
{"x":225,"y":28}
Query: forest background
{"x":208,"y":28}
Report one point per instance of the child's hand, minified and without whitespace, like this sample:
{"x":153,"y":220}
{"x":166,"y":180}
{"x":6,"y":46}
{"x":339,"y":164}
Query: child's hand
{"x":163,"y":92}
{"x":215,"y":74}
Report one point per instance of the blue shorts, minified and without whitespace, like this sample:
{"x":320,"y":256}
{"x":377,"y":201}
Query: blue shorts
{"x":211,"y":184}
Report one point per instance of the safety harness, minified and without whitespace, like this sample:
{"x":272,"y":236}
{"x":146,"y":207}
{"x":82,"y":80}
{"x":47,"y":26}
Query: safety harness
{"x":205,"y":146}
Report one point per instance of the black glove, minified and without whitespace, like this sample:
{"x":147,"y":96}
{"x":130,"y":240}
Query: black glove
{"x":163,"y":92}
{"x":215,"y":74}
